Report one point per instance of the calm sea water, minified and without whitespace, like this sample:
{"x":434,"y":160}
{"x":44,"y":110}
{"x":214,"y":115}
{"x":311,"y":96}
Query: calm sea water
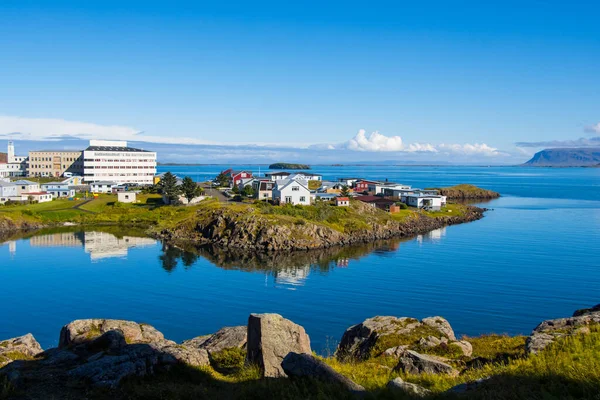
{"x":534,"y":256}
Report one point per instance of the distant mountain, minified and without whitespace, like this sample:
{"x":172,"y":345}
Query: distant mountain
{"x":574,"y":157}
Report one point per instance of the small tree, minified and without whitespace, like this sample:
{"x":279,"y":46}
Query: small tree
{"x":345,"y":192}
{"x":248,"y":191}
{"x":190,"y":189}
{"x":235,"y":189}
{"x":222,"y":179}
{"x":168,"y":187}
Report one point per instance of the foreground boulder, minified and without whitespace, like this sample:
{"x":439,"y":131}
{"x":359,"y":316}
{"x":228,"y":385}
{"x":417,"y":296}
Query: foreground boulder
{"x":414,"y":363}
{"x":19,"y":348}
{"x":225,"y":338}
{"x":103,"y":353}
{"x":411,"y":389}
{"x":548,"y":331}
{"x":84,"y":330}
{"x":390,"y":336}
{"x":270,"y":339}
{"x":305,"y":365}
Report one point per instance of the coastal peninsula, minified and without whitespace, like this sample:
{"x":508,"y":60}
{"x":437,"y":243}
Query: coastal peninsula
{"x":249,"y":226}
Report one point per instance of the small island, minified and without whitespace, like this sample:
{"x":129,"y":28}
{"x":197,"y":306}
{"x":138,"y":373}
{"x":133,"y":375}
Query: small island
{"x":466,"y":192}
{"x":289,"y":166}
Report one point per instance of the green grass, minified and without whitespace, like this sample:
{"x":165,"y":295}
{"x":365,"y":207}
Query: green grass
{"x":569,"y":369}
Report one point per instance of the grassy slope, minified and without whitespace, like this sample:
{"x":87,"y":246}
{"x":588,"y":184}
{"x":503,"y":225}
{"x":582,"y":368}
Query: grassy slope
{"x":568,"y":369}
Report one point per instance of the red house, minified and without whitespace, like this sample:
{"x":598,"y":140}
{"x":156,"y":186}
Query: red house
{"x":237,"y":176}
{"x":363,"y":185}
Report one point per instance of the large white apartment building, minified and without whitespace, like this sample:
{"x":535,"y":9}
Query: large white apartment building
{"x":114,"y":161}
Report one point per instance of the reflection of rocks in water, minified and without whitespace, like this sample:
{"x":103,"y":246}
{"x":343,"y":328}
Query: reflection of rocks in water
{"x":433,"y":236}
{"x":290,"y":268}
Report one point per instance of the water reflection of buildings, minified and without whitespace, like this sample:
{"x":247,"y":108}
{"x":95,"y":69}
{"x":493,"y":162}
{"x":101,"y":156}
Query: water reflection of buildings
{"x":433,"y":236}
{"x":295,"y":276}
{"x":12,"y":247}
{"x":99,"y":245}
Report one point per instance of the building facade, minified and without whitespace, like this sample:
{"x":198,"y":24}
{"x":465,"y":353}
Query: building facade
{"x":54,"y":163}
{"x":114,"y":161}
{"x":291,"y":192}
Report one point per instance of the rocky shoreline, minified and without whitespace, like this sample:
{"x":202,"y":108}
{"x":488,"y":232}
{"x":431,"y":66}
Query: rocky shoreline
{"x":229,"y":230}
{"x":104,"y":353}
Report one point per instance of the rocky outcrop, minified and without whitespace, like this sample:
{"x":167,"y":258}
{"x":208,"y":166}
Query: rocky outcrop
{"x":84,"y":330}
{"x":250,"y":231}
{"x":410,"y":389}
{"x":548,"y":331}
{"x":467,"y":386}
{"x":586,"y":311}
{"x":19,"y":348}
{"x":391,"y":336}
{"x":411,"y":362}
{"x":101,"y":352}
{"x":467,"y":192}
{"x":224,"y":338}
{"x":305,"y":365}
{"x":270,"y":339}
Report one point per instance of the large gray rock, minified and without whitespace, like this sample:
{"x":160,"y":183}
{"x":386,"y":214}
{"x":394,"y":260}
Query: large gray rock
{"x":305,"y":365}
{"x":22,"y":347}
{"x":272,"y":337}
{"x":103,"y":353}
{"x":85,"y":330}
{"x":376,"y":336}
{"x":414,"y":363}
{"x":585,"y":311}
{"x":548,"y":331}
{"x":410,"y":389}
{"x":224,"y":338}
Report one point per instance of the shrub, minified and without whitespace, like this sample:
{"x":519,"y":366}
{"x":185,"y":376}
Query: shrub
{"x":228,"y":360}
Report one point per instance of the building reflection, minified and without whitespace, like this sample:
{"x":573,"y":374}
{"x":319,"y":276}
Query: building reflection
{"x":99,"y":245}
{"x":433,"y":236}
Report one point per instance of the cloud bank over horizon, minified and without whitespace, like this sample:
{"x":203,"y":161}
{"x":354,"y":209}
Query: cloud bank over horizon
{"x":361,"y":146}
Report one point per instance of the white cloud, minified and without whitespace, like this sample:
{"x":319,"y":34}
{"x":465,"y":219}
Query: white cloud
{"x":52,"y":129}
{"x":469,"y":149}
{"x":376,"y":142}
{"x":593,"y":129}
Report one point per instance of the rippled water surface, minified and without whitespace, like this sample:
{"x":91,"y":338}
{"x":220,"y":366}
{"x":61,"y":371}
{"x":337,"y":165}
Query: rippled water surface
{"x":534,"y":256}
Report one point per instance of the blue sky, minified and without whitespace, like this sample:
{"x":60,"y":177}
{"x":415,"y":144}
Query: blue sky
{"x":458,"y":81}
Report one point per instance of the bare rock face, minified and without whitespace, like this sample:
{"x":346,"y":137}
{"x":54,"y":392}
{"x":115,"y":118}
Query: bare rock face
{"x":586,"y":311}
{"x":389,"y":336}
{"x":21,"y":347}
{"x":270,"y":339}
{"x":85,"y":330}
{"x":225,"y":338}
{"x":305,"y":365}
{"x":548,"y":331}
{"x":408,"y":388}
{"x":414,"y":363}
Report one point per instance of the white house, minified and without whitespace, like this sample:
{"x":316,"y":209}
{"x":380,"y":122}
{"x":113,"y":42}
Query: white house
{"x":64,"y":188}
{"x":102,"y":186}
{"x":342,"y":201}
{"x":291,"y":192}
{"x":116,"y":162}
{"x":40,"y":197}
{"x":305,"y":176}
{"x":127,"y":197}
{"x":25,"y":186}
{"x":350,"y":182}
{"x":7,"y":191}
{"x":425,"y":201}
{"x":277,"y":176}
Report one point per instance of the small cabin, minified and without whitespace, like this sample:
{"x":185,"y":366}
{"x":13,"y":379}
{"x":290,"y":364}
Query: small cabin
{"x":126,"y":197}
{"x":342,"y":201}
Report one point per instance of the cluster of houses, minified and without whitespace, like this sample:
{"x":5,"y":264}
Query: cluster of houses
{"x":303,"y":188}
